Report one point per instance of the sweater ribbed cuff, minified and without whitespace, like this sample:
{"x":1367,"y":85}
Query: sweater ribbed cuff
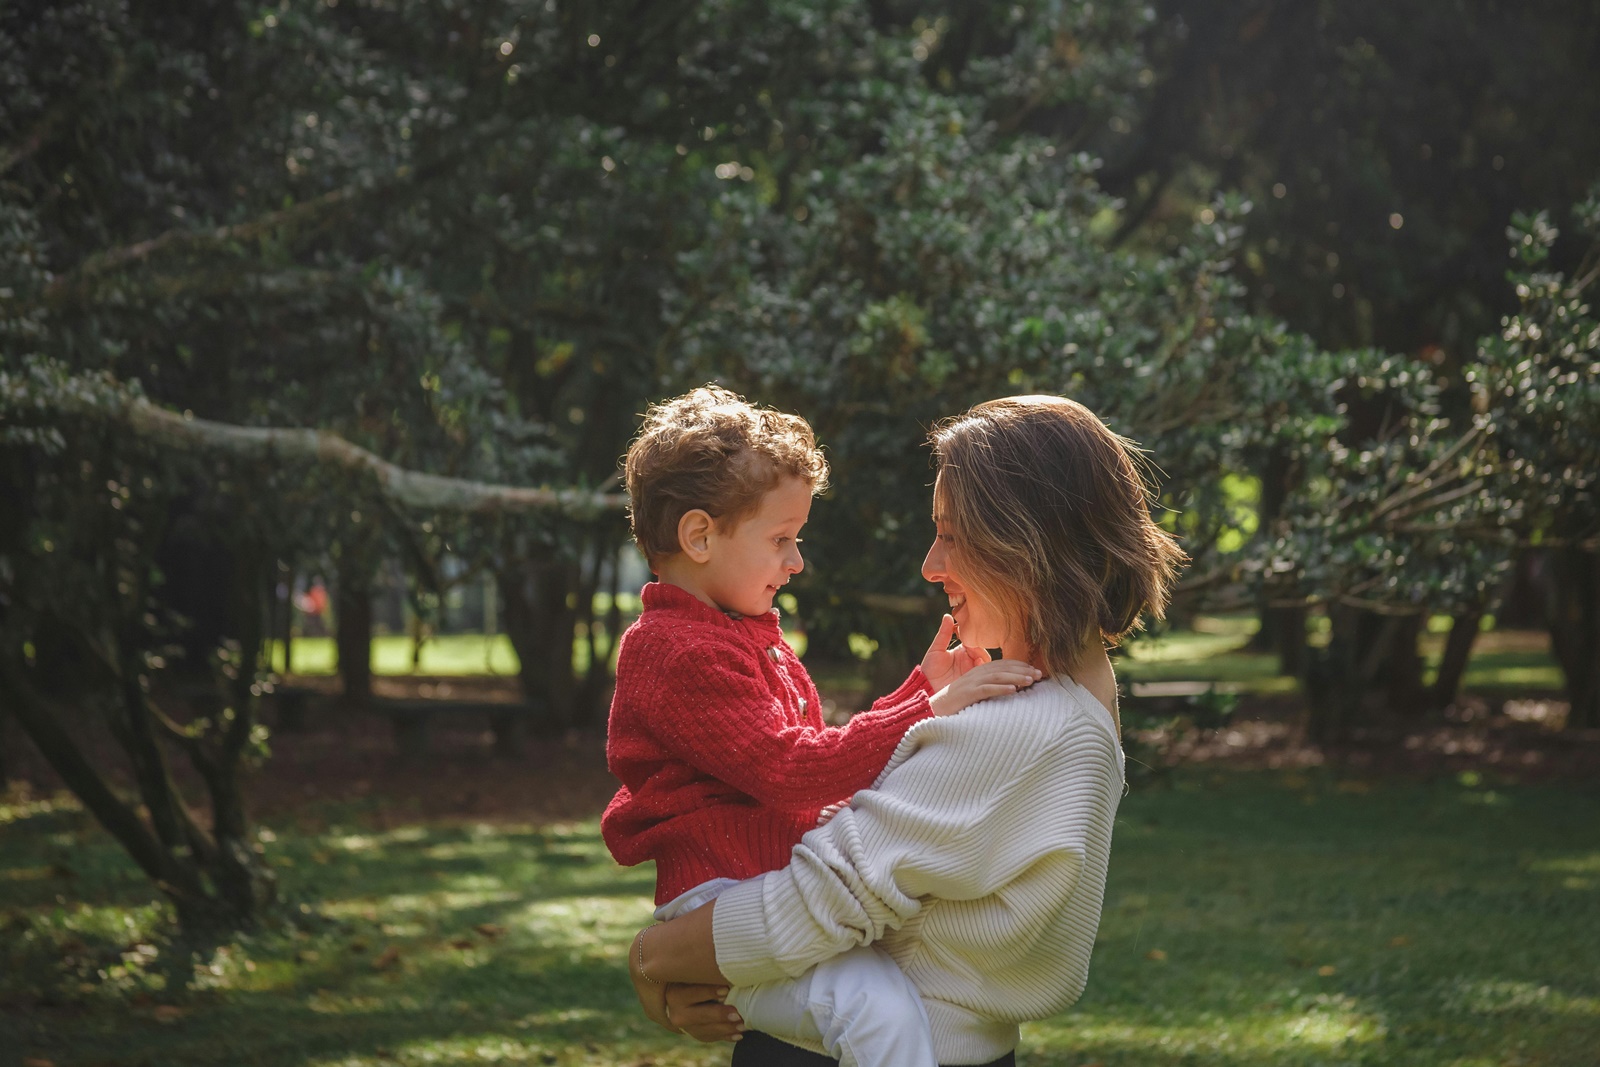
{"x":916,"y":683}
{"x":740,"y":935}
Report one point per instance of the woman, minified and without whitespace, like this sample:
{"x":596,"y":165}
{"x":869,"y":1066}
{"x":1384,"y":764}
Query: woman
{"x":978,"y":860}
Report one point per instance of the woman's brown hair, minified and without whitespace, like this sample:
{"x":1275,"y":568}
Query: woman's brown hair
{"x":1051,"y":522}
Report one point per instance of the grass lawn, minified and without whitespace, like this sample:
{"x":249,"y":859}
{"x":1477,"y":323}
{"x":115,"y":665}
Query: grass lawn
{"x":1213,"y":650}
{"x":1252,"y":918}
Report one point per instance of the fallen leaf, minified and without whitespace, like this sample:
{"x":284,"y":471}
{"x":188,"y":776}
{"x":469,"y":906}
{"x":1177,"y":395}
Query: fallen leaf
{"x":168,"y":1013}
{"x":1327,"y":969}
{"x":490,"y":930}
{"x":462,"y":942}
{"x":1399,"y":942}
{"x":386,"y":959}
{"x":37,"y":1061}
{"x":1155,"y":954}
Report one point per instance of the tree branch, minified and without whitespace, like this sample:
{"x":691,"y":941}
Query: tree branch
{"x":407,"y":487}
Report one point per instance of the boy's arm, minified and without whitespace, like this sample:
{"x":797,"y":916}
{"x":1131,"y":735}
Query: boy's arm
{"x":721,"y":717}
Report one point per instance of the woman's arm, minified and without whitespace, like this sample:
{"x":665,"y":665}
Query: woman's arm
{"x":981,"y":803}
{"x":681,"y":950}
{"x":673,"y":966}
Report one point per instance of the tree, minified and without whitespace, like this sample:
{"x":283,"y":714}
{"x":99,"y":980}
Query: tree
{"x":1539,"y":380}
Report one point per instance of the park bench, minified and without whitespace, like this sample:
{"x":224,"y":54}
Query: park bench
{"x":510,"y":722}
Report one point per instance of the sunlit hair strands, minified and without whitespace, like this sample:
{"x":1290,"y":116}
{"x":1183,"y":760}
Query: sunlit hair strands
{"x":711,"y":449}
{"x":1051,"y":521}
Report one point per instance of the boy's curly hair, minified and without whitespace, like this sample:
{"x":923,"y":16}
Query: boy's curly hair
{"x":711,"y":449}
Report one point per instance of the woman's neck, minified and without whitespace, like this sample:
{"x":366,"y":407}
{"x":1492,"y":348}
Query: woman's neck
{"x":1093,"y":671}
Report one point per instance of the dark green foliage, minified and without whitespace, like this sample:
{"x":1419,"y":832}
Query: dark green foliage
{"x":477,"y":238}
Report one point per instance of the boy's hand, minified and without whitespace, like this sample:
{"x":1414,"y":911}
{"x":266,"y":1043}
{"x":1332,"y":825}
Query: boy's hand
{"x":944,"y":664}
{"x":830,"y":811}
{"x":987,"y":680}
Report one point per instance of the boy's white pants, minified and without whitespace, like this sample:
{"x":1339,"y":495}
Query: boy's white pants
{"x":858,"y":1007}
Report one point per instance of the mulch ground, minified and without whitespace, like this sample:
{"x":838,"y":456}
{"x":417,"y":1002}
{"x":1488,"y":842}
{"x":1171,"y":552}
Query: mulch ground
{"x":351,"y":757}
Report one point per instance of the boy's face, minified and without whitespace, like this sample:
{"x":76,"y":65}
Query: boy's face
{"x":749,"y":562}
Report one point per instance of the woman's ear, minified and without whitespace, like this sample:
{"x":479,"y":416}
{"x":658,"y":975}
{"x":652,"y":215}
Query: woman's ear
{"x":694,"y":534}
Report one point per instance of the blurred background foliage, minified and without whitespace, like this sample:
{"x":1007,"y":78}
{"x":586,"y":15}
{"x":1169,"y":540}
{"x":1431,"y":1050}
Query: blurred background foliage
{"x":1268,"y":241}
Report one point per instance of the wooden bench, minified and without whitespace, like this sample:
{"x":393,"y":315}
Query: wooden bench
{"x":509,"y":722}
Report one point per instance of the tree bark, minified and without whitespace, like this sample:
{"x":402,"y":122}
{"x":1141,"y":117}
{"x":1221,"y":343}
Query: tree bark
{"x":1453,"y":665}
{"x":42,"y":718}
{"x":1572,"y":603}
{"x":353,"y":631}
{"x":406,"y":487}
{"x":541,"y":621}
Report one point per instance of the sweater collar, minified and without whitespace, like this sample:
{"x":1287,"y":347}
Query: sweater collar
{"x":665,"y":596}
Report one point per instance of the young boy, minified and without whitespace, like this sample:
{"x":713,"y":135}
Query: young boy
{"x":716,"y":731}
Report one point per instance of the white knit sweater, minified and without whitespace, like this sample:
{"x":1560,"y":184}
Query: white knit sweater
{"x":979,"y":865}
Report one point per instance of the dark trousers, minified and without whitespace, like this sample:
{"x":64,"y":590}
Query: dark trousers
{"x":756,"y":1049}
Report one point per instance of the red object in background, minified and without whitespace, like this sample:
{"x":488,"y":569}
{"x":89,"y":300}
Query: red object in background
{"x":313,"y":601}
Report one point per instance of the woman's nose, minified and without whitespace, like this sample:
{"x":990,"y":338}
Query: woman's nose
{"x":933,"y":562}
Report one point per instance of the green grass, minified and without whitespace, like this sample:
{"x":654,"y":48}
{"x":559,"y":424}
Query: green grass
{"x":1213,"y":650}
{"x":1251,"y":919}
{"x":446,"y":654}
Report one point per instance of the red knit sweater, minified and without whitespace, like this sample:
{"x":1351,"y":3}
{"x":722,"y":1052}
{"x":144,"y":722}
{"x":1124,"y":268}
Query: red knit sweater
{"x":717,"y":735}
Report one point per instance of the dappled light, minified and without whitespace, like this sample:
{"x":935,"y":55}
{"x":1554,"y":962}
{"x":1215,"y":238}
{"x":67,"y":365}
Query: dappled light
{"x":1251,"y":919}
{"x":324,"y":324}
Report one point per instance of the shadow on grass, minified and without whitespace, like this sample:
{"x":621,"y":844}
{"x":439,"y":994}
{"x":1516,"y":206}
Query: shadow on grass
{"x":1250,"y":919}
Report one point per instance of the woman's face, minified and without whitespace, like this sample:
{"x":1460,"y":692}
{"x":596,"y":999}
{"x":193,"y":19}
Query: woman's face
{"x":979,"y":622}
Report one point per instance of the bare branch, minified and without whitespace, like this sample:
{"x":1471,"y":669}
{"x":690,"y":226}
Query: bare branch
{"x":407,"y":487}
{"x":113,"y":258}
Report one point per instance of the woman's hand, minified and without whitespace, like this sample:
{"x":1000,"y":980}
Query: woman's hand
{"x":944,"y":664}
{"x":996,"y":679}
{"x":699,"y":1011}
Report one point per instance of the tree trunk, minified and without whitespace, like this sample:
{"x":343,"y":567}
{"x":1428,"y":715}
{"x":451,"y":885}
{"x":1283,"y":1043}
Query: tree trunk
{"x":353,"y":630}
{"x":1369,"y":675}
{"x":540,"y":619}
{"x":1453,"y":665}
{"x":1404,"y":695}
{"x":1283,"y":631}
{"x":602,"y":638}
{"x":1572,"y":602}
{"x":1333,"y":691}
{"x":196,"y":870}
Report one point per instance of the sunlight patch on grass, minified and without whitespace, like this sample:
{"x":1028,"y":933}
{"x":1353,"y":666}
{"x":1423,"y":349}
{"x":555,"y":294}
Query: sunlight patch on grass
{"x":1184,"y":645}
{"x":1330,"y":1027}
{"x":455,"y":850}
{"x":409,"y":904}
{"x":13,"y":807}
{"x":1474,"y":996}
{"x":1589,"y":864}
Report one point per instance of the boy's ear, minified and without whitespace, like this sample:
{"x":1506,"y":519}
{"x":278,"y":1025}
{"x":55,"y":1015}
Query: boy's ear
{"x":694,"y":534}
